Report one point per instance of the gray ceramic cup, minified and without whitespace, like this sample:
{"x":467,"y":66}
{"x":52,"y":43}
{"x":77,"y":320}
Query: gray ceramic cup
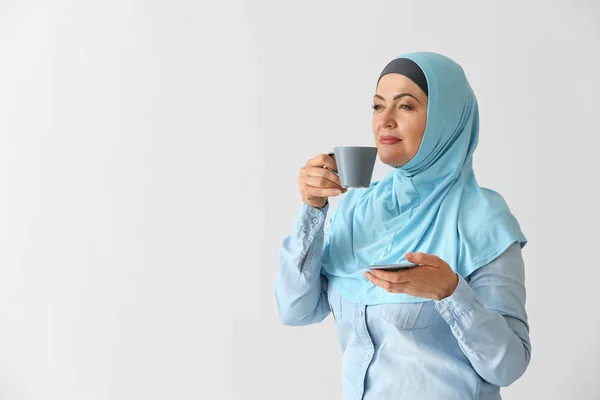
{"x":355,"y":165}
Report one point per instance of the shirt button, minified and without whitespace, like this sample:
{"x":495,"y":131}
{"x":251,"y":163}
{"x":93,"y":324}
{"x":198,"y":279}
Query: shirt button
{"x":359,"y":313}
{"x":367,"y":357}
{"x":315,"y":220}
{"x":446,"y":313}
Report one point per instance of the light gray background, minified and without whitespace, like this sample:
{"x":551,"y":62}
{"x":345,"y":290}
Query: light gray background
{"x":150,"y":154}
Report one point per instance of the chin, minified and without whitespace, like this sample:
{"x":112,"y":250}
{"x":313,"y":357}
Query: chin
{"x":392,"y":161}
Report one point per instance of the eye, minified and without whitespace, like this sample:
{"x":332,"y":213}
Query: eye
{"x":377,"y":107}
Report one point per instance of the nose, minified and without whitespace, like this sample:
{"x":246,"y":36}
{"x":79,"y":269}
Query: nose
{"x":387,"y":120}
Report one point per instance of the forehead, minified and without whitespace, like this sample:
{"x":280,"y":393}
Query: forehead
{"x":397,"y":83}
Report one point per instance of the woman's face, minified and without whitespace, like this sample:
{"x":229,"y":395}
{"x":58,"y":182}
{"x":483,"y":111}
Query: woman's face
{"x":399,"y":110}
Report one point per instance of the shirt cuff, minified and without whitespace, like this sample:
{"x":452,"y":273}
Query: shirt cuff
{"x":458,"y":303}
{"x":311,"y":219}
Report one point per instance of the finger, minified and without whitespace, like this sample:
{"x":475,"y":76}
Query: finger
{"x":327,"y":163}
{"x":320,"y":182}
{"x":316,"y":191}
{"x":322,"y":160}
{"x":424,"y":258}
{"x":329,"y":174}
{"x":401,"y":276}
{"x":321,"y":191}
{"x":323,"y":173}
{"x":385,"y":284}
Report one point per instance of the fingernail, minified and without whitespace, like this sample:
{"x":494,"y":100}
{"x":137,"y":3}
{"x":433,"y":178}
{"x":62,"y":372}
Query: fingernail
{"x":336,"y":191}
{"x":409,"y":255}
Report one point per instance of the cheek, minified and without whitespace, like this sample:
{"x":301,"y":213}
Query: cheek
{"x":414,"y":129}
{"x":409,"y":129}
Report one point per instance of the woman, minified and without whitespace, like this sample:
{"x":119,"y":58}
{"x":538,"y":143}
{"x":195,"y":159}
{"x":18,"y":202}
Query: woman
{"x":453,"y":327}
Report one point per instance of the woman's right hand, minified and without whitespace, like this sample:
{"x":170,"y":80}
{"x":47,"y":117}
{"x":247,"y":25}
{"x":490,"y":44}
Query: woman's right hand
{"x":317,"y":183}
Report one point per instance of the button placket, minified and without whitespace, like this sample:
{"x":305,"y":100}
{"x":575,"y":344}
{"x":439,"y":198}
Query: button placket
{"x":366,"y":345}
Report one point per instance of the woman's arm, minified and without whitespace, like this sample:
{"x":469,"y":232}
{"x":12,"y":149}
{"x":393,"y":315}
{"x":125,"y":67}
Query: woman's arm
{"x":300,"y":289}
{"x":487,"y":315}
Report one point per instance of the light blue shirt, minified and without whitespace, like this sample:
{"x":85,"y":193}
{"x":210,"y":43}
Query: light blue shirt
{"x":462,"y":347}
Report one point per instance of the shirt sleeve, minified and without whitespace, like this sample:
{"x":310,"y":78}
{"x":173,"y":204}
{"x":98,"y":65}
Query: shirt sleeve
{"x":487,"y":315}
{"x":300,"y":290}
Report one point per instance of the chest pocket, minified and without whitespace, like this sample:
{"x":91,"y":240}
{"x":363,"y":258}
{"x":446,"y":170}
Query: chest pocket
{"x":408,"y":315}
{"x":334,"y":298}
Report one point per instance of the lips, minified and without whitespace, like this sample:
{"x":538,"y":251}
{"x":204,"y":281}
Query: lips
{"x":389,"y":139}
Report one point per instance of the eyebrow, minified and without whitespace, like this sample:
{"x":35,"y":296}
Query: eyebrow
{"x":398,"y":96}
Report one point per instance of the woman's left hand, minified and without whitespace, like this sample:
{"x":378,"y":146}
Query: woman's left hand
{"x":432,"y":279}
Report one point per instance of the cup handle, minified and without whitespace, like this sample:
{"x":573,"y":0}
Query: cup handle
{"x":332,"y":155}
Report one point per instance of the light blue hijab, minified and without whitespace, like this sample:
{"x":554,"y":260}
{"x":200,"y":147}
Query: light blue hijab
{"x":432,"y":204}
